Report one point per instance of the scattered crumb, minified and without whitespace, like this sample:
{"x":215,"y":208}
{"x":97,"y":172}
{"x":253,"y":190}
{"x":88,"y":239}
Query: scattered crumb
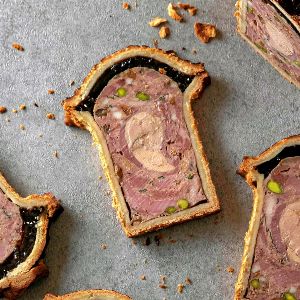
{"x":162,"y":71}
{"x":143,"y":277}
{"x":172,"y":12}
{"x":162,"y":279}
{"x":164,"y":32}
{"x":172,"y":241}
{"x":183,"y":48}
{"x":230,"y":270}
{"x":17,"y":47}
{"x":40,"y":135}
{"x":126,"y":5}
{"x":22,"y":107}
{"x":204,"y":32}
{"x":100,"y":177}
{"x":162,"y":286}
{"x":22,"y":127}
{"x":188,"y":281}
{"x":158,"y":238}
{"x":180,"y":287}
{"x":155,"y":43}
{"x":51,"y":116}
{"x":55,"y":153}
{"x":147,"y":241}
{"x":3,"y":109}
{"x":103,"y":246}
{"x":14,"y":111}
{"x":194,"y":51}
{"x":72,"y":82}
{"x":133,"y":242}
{"x":192,"y":11}
{"x":184,"y":6}
{"x":157,"y":21}
{"x":35,"y":104}
{"x":8,"y":120}
{"x":51,"y":92}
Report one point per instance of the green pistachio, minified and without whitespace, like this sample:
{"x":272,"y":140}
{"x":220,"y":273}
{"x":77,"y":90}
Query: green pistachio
{"x":121,"y":92}
{"x":170,"y":210}
{"x":190,"y":176}
{"x":274,"y":187}
{"x":261,"y":47}
{"x":182,"y":203}
{"x":142,"y":96}
{"x":250,"y":10}
{"x":296,"y":63}
{"x":255,"y":283}
{"x":288,"y":296}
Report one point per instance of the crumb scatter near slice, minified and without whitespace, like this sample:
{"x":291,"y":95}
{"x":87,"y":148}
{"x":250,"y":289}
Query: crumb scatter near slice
{"x":188,"y":281}
{"x":157,"y":21}
{"x":22,"y":107}
{"x":18,"y":47}
{"x":230,"y":269}
{"x":51,"y":91}
{"x":180,"y":288}
{"x":164,"y":32}
{"x":172,"y":12}
{"x":22,"y":126}
{"x":204,"y":32}
{"x":51,"y":116}
{"x":143,"y":277}
{"x":3,"y":109}
{"x":126,"y":5}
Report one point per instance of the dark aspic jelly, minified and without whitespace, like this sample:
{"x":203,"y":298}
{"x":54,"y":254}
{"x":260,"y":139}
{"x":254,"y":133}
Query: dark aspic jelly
{"x":182,"y":79}
{"x":30,"y":219}
{"x":268,"y":166}
{"x":291,"y":6}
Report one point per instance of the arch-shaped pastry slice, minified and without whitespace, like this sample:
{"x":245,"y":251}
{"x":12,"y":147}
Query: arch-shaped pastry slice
{"x":23,"y":235}
{"x":89,"y":295}
{"x":137,"y":104}
{"x":271,"y":261}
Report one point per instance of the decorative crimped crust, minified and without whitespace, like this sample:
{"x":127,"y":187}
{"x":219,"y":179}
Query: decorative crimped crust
{"x":255,"y":181}
{"x":193,"y":92}
{"x":240,"y":14}
{"x":18,"y":279}
{"x":89,"y":295}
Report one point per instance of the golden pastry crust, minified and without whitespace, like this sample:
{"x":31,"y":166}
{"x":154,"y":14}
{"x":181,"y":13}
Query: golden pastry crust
{"x":192,"y":93}
{"x":240,"y":14}
{"x":19,"y":278}
{"x":255,"y":181}
{"x":89,"y":295}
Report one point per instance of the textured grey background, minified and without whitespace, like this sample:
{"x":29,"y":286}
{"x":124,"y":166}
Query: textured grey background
{"x":246,"y":109}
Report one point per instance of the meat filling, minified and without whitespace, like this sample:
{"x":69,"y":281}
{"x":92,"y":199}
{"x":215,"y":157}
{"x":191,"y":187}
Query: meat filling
{"x":274,"y":36}
{"x":275,"y":272}
{"x":140,"y":112}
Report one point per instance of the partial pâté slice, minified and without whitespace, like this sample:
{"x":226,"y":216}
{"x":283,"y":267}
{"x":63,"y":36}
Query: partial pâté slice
{"x":271,"y":261}
{"x":137,"y":104}
{"x":89,"y":295}
{"x":272,"y":28}
{"x":23,"y":235}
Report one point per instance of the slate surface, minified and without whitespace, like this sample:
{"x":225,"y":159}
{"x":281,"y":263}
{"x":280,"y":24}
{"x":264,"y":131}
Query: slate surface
{"x":246,"y":109}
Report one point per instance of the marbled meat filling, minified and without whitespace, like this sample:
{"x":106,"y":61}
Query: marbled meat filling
{"x":275,"y":272}
{"x":140,"y":112}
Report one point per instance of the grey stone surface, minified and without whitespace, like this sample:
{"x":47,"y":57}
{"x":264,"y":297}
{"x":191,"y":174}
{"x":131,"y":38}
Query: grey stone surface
{"x":248,"y":107}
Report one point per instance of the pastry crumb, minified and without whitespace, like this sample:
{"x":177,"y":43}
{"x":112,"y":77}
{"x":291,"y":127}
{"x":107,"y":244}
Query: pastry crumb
{"x":22,"y":107}
{"x":188,"y":281}
{"x":14,"y":111}
{"x":194,"y":51}
{"x":133,"y":242}
{"x":162,"y":279}
{"x":230,"y":269}
{"x":22,"y":126}
{"x":72,"y":82}
{"x":164,"y":32}
{"x":204,"y":32}
{"x":155,"y":43}
{"x":163,"y":286}
{"x":180,"y":288}
{"x":157,"y":21}
{"x":126,"y":5}
{"x":35,"y":104}
{"x":162,"y":71}
{"x":8,"y":120}
{"x":51,"y":91}
{"x":172,"y":241}
{"x":51,"y":116}
{"x":55,"y":154}
{"x":103,"y":246}
{"x":143,"y":277}
{"x":17,"y":47}
{"x":100,"y":177}
{"x":192,"y":11}
{"x":172,"y":12}
{"x":3,"y":109}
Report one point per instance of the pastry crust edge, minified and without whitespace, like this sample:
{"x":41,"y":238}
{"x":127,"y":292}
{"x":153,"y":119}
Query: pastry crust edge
{"x":19,"y":278}
{"x":86,"y":294}
{"x":255,"y":181}
{"x":191,"y":94}
{"x":241,"y":8}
